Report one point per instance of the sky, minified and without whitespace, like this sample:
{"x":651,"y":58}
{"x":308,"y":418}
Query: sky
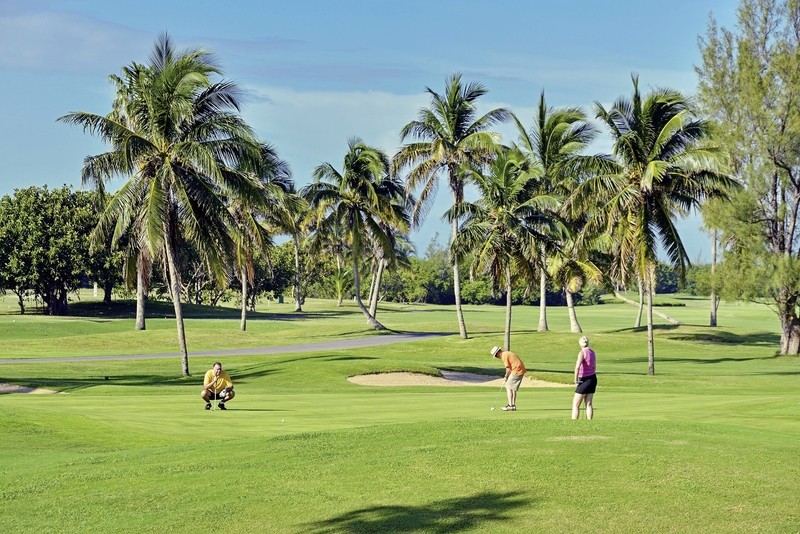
{"x":315,"y":74}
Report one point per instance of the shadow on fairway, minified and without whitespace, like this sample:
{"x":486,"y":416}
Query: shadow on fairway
{"x":155,"y":309}
{"x":233,"y":409}
{"x":762,"y":339}
{"x":451,"y":515}
{"x":349,"y":358}
{"x":72,"y":384}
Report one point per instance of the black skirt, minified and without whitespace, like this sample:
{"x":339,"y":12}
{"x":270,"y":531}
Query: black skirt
{"x":586,"y":384}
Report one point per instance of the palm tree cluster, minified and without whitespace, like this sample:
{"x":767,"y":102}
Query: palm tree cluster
{"x":195,"y":172}
{"x":545,"y":207}
{"x":365,"y":206}
{"x":196,"y":175}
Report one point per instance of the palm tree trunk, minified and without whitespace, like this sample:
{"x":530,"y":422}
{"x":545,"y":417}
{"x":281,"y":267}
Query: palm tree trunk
{"x":651,"y":348}
{"x":298,"y":306}
{"x":175,"y":289}
{"x":462,"y":326}
{"x":574,"y":326}
{"x":543,"y":297}
{"x":508,"y":308}
{"x":141,"y":294}
{"x":790,"y":323}
{"x":373,"y":269}
{"x":714,"y":301}
{"x":243,"y":323}
{"x":639,"y":284}
{"x":357,"y":283}
{"x":108,"y":288}
{"x":339,"y":291}
{"x":372,"y":281}
{"x":373,"y":305}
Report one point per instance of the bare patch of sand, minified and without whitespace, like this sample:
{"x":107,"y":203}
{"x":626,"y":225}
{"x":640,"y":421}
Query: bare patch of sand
{"x":11,"y":388}
{"x":447,"y":378}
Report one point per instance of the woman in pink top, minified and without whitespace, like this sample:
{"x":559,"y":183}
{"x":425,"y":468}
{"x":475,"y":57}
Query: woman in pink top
{"x":586,"y":380}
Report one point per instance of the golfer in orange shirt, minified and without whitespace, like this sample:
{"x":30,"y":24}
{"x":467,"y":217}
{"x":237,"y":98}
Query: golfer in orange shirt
{"x":515,"y":370}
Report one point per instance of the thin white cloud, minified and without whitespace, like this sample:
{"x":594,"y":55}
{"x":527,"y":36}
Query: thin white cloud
{"x":57,"y":41}
{"x":311,"y":127}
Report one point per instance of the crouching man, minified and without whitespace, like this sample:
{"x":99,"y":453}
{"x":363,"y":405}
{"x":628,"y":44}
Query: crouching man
{"x":217,"y":385}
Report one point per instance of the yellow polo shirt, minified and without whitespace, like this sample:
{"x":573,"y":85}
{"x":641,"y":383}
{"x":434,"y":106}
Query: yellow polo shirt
{"x":224,"y":380}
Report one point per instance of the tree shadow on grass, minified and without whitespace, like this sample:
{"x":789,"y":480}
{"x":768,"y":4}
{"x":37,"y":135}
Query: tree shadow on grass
{"x":74,"y":384}
{"x":761,"y":339}
{"x":635,"y":329}
{"x":450,"y":515}
{"x":157,"y":309}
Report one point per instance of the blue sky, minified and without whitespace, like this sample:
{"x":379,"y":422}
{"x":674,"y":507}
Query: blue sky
{"x":316,"y":73}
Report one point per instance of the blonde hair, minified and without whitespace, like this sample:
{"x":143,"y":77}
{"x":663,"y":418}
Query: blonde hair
{"x":583,"y":341}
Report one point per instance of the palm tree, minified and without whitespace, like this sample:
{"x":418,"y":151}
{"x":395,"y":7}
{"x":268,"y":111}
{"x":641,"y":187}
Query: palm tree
{"x":572,"y":268}
{"x":554,"y":145}
{"x":178,"y":148}
{"x":506,"y":225}
{"x":446,"y":136}
{"x":665,"y":166}
{"x":137,"y":263}
{"x":358,"y":199}
{"x":290,"y":216}
{"x":326,"y":246}
{"x":250,"y":232}
{"x":401,"y":247}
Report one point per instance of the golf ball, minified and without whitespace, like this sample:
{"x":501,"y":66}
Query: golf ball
{"x":491,"y":409}
{"x":283,"y":420}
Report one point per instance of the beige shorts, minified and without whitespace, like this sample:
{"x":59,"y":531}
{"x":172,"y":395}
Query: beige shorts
{"x":513,"y":382}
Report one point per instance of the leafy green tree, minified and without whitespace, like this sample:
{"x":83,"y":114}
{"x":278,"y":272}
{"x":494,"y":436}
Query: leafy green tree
{"x":667,"y":280}
{"x":429,"y":279}
{"x":179,"y":148}
{"x":271,"y":275}
{"x":749,"y":82}
{"x":104,"y":267}
{"x":44,"y":244}
{"x":445,"y":137}
{"x":482,"y":290}
{"x":665,"y":165}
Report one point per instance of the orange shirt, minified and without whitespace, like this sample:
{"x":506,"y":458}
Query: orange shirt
{"x":512,"y":361}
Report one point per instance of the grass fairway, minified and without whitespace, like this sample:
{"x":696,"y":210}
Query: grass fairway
{"x":708,"y":444}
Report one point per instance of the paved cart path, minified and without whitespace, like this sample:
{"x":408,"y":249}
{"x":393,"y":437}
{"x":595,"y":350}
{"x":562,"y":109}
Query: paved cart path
{"x":336,"y":344}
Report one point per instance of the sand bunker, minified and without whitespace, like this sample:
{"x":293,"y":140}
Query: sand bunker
{"x":11,"y":388}
{"x":448,"y":378}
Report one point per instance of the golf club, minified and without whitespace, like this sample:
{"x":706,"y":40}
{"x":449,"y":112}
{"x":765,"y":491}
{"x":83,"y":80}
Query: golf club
{"x":498,"y":395}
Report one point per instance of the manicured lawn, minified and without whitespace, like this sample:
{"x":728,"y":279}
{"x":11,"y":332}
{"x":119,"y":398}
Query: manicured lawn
{"x":708,"y":444}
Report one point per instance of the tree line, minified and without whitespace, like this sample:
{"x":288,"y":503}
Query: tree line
{"x":196,"y":178}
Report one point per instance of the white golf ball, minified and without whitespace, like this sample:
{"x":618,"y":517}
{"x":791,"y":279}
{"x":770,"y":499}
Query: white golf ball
{"x":491,"y":409}
{"x":283,"y":420}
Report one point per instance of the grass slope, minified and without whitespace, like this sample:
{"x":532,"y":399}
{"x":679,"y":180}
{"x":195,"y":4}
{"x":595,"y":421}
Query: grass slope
{"x":707,"y":445}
